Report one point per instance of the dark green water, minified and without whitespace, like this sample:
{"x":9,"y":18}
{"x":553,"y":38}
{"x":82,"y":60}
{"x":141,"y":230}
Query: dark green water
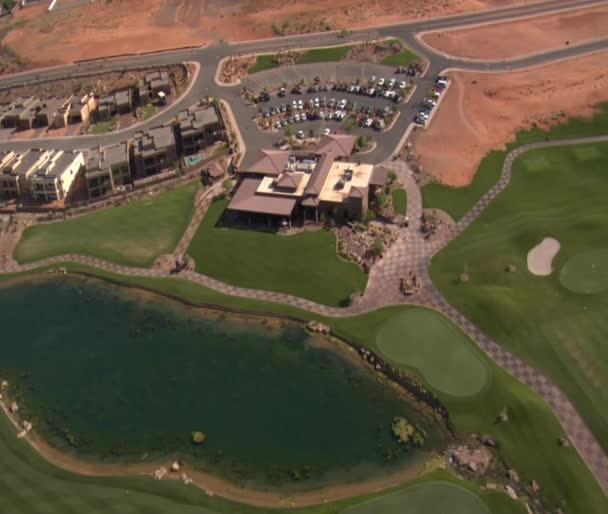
{"x":116,"y":377}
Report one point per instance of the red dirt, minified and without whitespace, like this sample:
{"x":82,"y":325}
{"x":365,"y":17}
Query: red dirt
{"x":514,"y":39}
{"x":102,"y":29}
{"x":482,"y":112}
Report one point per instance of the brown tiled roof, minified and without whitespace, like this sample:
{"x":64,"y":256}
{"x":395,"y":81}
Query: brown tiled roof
{"x":319,"y":176}
{"x":246,"y":200}
{"x":339,"y":144}
{"x":379,"y":176}
{"x":269,"y":162}
{"x":215,"y":170}
{"x":358,"y":192}
{"x":311,"y":201}
{"x":289,"y":181}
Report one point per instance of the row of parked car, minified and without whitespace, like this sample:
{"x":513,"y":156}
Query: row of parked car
{"x":323,"y":109}
{"x":391,"y":89}
{"x":430,"y":102}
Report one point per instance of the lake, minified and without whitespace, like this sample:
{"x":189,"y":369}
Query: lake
{"x":116,"y":375}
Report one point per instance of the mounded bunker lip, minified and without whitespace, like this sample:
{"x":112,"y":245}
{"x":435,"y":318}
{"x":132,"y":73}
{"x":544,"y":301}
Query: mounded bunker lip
{"x":540,"y":258}
{"x":425,"y":498}
{"x":586,"y":272}
{"x":437,"y":349}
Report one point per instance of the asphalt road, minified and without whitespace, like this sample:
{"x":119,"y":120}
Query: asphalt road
{"x":209,"y":57}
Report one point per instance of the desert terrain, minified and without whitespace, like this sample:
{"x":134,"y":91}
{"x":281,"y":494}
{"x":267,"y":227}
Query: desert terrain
{"x":102,"y":29}
{"x":517,"y":38}
{"x":484,"y":111}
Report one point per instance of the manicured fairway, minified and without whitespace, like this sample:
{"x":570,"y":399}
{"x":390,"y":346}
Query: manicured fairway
{"x":532,"y":429}
{"x":304,"y":265}
{"x":426,"y":498}
{"x":458,"y":201}
{"x":436,"y":348}
{"x":134,"y":234}
{"x":558,"y":192}
{"x":399,"y":197}
{"x":586,"y":272}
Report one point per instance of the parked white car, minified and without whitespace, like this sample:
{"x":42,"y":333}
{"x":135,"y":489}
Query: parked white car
{"x":368,"y":122}
{"x":326,"y":131}
{"x":402,"y":84}
{"x":381,"y":81}
{"x":342,"y":103}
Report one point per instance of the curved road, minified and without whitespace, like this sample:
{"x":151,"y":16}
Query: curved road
{"x":410,"y":251}
{"x":209,"y":57}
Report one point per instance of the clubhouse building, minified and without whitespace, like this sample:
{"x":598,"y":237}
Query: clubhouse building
{"x":284,"y":185}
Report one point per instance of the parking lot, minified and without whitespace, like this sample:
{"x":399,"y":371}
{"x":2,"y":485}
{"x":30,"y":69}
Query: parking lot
{"x":370,"y":103}
{"x":297,"y":102}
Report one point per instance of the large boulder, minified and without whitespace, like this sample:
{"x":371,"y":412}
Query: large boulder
{"x":475,"y":459}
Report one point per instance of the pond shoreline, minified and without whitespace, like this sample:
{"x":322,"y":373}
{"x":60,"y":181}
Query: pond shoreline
{"x":214,"y":484}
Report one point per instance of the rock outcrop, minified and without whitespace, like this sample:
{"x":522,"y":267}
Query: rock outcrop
{"x":476,"y":460}
{"x":160,"y":473}
{"x":318,"y":327}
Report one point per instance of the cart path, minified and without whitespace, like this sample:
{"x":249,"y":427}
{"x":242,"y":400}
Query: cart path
{"x":409,"y":252}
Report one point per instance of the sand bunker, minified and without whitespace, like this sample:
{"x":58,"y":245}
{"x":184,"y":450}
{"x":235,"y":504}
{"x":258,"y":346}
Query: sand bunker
{"x":540,"y":258}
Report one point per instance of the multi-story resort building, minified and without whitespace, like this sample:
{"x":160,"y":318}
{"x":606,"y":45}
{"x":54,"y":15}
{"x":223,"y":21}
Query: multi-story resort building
{"x":282,"y":185}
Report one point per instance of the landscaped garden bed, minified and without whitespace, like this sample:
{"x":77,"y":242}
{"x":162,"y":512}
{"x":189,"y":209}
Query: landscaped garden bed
{"x":390,"y":52}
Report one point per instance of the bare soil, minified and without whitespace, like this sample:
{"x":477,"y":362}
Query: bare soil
{"x":97,"y":84}
{"x":482,"y":112}
{"x":514,"y":39}
{"x":101,"y":29}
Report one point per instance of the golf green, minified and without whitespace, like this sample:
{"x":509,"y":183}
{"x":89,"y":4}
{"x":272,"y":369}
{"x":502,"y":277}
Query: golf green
{"x":433,"y":345}
{"x":426,"y":498}
{"x":586,"y":272}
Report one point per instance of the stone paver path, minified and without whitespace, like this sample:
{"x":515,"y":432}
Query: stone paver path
{"x":409,"y":252}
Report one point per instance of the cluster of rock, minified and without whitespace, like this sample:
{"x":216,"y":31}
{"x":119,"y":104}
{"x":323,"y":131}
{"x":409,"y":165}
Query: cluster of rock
{"x":26,"y":428}
{"x":318,"y":327}
{"x":475,"y":459}
{"x":364,"y":245}
{"x":410,"y":284}
{"x":368,"y":356}
{"x":162,"y":472}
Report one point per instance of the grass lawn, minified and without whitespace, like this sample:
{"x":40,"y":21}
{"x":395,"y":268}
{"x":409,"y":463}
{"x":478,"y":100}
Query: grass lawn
{"x":399,"y":198}
{"x":104,"y":127}
{"x":147,"y":112}
{"x":304,"y":265}
{"x":263,"y":63}
{"x":458,"y":201}
{"x":336,"y":53}
{"x":532,"y":429}
{"x":439,"y":352}
{"x":561,"y":193}
{"x":134,"y":234}
{"x":424,"y":498}
{"x":402,"y":58}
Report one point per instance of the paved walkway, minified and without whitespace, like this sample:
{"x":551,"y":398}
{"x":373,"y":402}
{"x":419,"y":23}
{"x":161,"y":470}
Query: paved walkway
{"x":410,"y":252}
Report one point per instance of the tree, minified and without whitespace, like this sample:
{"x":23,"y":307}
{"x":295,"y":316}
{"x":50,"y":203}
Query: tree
{"x":377,"y":247}
{"x":348,"y":125}
{"x":369,"y":216}
{"x":392,"y":176}
{"x":289,"y":131}
{"x":198,"y":437}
